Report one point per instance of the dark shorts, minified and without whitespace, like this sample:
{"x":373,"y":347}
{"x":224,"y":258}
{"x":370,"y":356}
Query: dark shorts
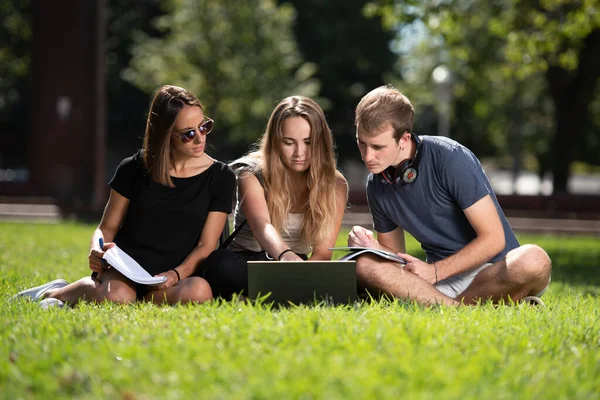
{"x":226,"y":271}
{"x":141,"y":291}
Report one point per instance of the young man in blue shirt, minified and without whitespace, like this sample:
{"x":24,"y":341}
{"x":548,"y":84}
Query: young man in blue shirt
{"x":435,"y":189}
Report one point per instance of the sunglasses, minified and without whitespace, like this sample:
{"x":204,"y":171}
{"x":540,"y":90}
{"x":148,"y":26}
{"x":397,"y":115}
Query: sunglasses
{"x":204,"y":128}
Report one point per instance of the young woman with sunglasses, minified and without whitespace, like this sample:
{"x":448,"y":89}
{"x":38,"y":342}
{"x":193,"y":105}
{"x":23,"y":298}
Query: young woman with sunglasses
{"x":290,"y":197}
{"x":167,"y":209}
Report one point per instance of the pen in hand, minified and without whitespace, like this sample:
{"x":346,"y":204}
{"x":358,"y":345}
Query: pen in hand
{"x":101,"y":242}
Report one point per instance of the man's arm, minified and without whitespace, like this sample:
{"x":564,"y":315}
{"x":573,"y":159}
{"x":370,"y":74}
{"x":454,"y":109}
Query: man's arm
{"x":489,"y":241}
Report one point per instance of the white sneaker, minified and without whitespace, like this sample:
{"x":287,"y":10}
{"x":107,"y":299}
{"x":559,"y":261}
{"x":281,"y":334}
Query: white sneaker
{"x":51,"y":303}
{"x":36,"y":293}
{"x":533,"y":301}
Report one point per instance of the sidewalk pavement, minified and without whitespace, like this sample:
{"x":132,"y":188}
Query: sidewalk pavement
{"x":519,"y":224}
{"x":49,"y":213}
{"x":39,"y":213}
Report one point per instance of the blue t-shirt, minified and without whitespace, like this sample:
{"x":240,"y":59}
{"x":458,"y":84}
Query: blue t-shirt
{"x":450,"y":179}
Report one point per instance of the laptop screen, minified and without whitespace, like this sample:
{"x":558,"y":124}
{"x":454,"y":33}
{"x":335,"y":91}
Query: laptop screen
{"x":303,"y":282}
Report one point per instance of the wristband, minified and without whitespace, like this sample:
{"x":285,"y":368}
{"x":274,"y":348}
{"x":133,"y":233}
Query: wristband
{"x":436,"y":272}
{"x":282,"y":253}
{"x":178,"y":276}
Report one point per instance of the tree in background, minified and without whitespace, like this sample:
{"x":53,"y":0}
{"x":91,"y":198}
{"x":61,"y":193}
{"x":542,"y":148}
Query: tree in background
{"x":526,"y":72}
{"x":127,"y":104}
{"x":15,"y":63}
{"x":523,"y":71}
{"x":240,"y":58}
{"x":353,"y":56}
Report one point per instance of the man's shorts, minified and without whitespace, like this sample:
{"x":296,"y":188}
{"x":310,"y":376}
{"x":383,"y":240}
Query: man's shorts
{"x":455,"y":285}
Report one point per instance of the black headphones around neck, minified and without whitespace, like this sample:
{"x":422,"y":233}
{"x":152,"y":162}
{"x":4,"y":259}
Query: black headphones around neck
{"x":407,"y":171}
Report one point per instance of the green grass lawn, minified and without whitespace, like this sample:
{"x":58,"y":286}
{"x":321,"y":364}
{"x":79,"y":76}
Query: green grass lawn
{"x":235,"y":350}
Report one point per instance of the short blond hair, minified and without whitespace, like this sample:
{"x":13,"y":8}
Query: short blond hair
{"x":385,"y":105}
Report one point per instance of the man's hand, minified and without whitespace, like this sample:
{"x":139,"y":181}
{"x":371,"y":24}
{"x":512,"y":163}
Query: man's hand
{"x":420,"y":268}
{"x":361,"y":237}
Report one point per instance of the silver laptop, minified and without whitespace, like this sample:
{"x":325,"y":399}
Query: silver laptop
{"x":303,"y":282}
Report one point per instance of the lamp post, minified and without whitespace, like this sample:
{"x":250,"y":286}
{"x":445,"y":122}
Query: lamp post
{"x":442,"y":77}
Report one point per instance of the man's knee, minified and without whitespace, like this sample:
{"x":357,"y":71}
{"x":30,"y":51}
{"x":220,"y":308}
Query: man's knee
{"x":529,"y":262}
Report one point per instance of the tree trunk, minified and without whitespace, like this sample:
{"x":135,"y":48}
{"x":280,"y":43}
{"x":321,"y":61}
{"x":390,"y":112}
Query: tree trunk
{"x":572,"y":92}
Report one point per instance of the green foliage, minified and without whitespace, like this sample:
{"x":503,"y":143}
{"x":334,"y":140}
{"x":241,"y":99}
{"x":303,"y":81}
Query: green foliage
{"x":526,"y":37}
{"x":240,"y":58}
{"x":379,"y":349}
{"x":15,"y":57}
{"x":353,"y":57}
{"x":551,"y":32}
{"x":522,"y":38}
{"x":127,"y":104}
{"x":522,"y":71}
{"x":15,"y":35}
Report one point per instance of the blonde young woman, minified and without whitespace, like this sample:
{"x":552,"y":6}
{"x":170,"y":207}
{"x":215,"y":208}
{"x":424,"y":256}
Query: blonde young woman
{"x":290,"y":197}
{"x":167,"y":208}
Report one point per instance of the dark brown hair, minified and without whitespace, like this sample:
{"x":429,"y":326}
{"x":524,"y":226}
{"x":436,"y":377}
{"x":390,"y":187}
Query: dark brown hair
{"x":156,"y":150}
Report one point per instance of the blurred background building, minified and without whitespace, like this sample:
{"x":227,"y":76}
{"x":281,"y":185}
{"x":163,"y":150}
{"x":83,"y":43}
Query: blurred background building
{"x":515,"y":82}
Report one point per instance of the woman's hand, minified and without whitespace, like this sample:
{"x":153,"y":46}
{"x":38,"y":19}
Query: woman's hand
{"x":172,"y":279}
{"x":290,"y":256}
{"x":97,"y":264}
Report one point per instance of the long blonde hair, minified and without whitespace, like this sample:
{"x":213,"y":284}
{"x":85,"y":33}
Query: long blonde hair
{"x":321,"y":178}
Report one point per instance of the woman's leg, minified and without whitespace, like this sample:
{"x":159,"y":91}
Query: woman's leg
{"x":189,"y":290}
{"x":226,"y":272}
{"x":111,"y":286}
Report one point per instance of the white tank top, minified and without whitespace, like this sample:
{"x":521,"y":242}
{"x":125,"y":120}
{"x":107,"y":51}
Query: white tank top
{"x":290,"y":234}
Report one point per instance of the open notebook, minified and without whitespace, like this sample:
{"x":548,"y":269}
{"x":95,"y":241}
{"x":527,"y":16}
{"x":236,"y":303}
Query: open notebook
{"x":126,"y":265}
{"x":357,"y":251}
